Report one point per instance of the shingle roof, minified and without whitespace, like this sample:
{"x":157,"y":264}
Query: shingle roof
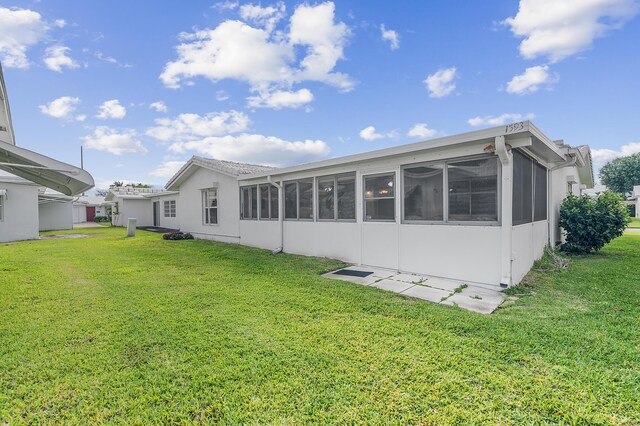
{"x":230,"y":167}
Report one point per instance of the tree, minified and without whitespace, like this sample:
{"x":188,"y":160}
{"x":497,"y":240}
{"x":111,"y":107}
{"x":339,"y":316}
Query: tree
{"x":621,"y":174}
{"x":590,"y":223}
{"x":102,"y":192}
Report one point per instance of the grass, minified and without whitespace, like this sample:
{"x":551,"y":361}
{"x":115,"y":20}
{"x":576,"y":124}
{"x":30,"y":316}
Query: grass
{"x":141,"y":330}
{"x":635,"y":223}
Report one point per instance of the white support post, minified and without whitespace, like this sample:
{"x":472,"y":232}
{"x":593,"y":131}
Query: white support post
{"x":131,"y":227}
{"x":506,"y":225}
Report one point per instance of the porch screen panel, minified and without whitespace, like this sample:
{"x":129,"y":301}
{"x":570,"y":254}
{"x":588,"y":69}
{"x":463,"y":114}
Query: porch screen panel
{"x":522,"y":188}
{"x":273,"y":196}
{"x":264,"y":201}
{"x":379,"y":198}
{"x":254,"y":201}
{"x":291,"y":200}
{"x":423,"y":193}
{"x":326,"y":198}
{"x":473,"y":190}
{"x":305,"y":199}
{"x":540,"y":194}
{"x":346,"y":190}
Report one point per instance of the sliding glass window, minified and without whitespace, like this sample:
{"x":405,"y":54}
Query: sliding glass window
{"x":337,"y":197}
{"x":268,"y":202}
{"x":249,"y":202}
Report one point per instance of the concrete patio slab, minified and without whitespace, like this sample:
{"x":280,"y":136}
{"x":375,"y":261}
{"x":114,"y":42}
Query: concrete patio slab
{"x":427,"y":293}
{"x":378,"y":272}
{"x":409,"y":278}
{"x":391,"y":285}
{"x":476,"y":299}
{"x":443,"y":283}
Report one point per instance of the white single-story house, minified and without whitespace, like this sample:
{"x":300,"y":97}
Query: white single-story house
{"x":478,"y":207}
{"x":150,"y":207}
{"x":636,"y":197}
{"x":86,"y":208}
{"x":22,"y":204}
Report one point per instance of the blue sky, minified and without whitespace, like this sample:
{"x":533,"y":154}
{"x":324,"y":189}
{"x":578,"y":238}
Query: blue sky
{"x":145,"y":85}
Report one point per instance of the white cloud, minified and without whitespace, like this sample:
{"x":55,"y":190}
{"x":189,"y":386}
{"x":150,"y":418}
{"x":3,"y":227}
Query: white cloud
{"x":259,"y":149}
{"x":603,"y":156}
{"x":266,"y":17}
{"x":63,"y":108}
{"x":370,"y":134}
{"x":111,"y":109}
{"x":263,"y":58}
{"x":281,"y":99}
{"x":221,"y":95}
{"x":558,"y":29}
{"x":19,"y":30}
{"x":109,"y":59}
{"x":531,"y":80}
{"x":421,"y":130}
{"x":113,"y":141}
{"x":159,"y":106}
{"x":499,"y":120}
{"x":56,"y":58}
{"x":225,"y":5}
{"x":167,"y":169}
{"x":193,"y":126}
{"x":391,"y":36}
{"x":60,"y":23}
{"x":441,"y":83}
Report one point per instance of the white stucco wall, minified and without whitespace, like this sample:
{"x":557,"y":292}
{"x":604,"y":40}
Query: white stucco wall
{"x":529,"y":240}
{"x":20,"y":212}
{"x":190,"y":209}
{"x":79,"y":214}
{"x":141,"y":209}
{"x":54,"y":216}
{"x":168,"y":222}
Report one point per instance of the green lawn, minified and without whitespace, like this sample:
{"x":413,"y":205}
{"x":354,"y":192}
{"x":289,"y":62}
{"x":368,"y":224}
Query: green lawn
{"x":635,"y":223}
{"x":141,"y":330}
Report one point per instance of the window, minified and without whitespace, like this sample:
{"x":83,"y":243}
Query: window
{"x":379,"y":197}
{"x":473,"y":190}
{"x":268,"y":202}
{"x":298,"y":200}
{"x":529,"y":190}
{"x":170,"y":208}
{"x":337,"y":197}
{"x":249,"y":202}
{"x":210,"y":206}
{"x":423,"y":193}
{"x":540,"y":193}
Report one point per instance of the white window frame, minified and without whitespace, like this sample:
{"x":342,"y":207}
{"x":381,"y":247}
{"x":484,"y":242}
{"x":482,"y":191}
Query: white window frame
{"x":335,"y":196}
{"x":395,"y":194}
{"x":169,"y":208}
{"x":2,"y":197}
{"x":248,"y":188}
{"x":205,"y":206}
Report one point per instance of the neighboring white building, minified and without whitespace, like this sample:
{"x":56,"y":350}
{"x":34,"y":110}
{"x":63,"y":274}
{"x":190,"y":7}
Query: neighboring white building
{"x":54,"y":210}
{"x":23,"y":173}
{"x":140,"y":203}
{"x":478,"y":207}
{"x":86,"y":208}
{"x":636,"y":197}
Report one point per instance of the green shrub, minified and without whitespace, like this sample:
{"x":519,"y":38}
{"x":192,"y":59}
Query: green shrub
{"x":590,"y":223}
{"x":99,"y":219}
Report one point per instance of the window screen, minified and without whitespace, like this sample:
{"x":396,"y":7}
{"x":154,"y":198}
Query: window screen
{"x":540,"y":198}
{"x":326,"y":198}
{"x":337,"y":197}
{"x":346,"y":189}
{"x":379,"y":197}
{"x":249,"y":202}
{"x":522,"y":188}
{"x":298,"y":201}
{"x":268,"y":202}
{"x":473,"y":190}
{"x":423,"y":193}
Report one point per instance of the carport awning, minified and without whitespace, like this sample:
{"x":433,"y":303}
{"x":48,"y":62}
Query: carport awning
{"x":43,"y":170}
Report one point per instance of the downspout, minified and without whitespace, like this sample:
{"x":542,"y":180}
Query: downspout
{"x":502,"y":150}
{"x":280,"y":213}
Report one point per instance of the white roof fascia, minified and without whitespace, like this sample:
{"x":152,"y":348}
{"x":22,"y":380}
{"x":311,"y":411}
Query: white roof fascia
{"x":6,"y":125}
{"x":515,"y":138}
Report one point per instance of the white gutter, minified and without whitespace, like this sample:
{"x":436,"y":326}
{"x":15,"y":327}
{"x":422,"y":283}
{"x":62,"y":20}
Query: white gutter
{"x":280,"y":213}
{"x":502,"y":150}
